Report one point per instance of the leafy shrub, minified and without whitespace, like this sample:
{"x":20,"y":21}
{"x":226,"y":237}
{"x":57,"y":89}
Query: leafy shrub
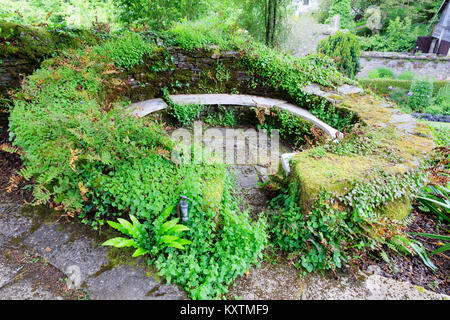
{"x":373,"y":74}
{"x":157,"y":15}
{"x":338,"y":231}
{"x":381,"y":86}
{"x":381,"y":72}
{"x":441,"y":136}
{"x":38,"y":43}
{"x":400,"y":96}
{"x":76,"y":136}
{"x":345,"y":51}
{"x":282,"y":70}
{"x":89,"y":158}
{"x":433,"y":109}
{"x":292,"y":128}
{"x":222,"y":117}
{"x":126,"y":51}
{"x":440,"y":103}
{"x":385,"y":73}
{"x":406,"y":75}
{"x":400,"y":36}
{"x":330,"y":115}
{"x":184,"y":113}
{"x":202,"y":33}
{"x":325,"y":238}
{"x":218,"y":253}
{"x":343,"y":9}
{"x":436,"y":199}
{"x":422,"y":91}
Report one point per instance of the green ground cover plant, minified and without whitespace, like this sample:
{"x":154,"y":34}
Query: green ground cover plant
{"x":222,"y":117}
{"x":91,"y":160}
{"x":126,"y":53}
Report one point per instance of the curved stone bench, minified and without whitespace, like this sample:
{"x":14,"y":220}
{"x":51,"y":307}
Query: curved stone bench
{"x":143,"y":108}
{"x":409,"y":140}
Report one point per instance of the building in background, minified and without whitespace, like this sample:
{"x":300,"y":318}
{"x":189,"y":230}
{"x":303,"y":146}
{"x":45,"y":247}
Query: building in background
{"x":439,"y":41}
{"x":304,"y":6}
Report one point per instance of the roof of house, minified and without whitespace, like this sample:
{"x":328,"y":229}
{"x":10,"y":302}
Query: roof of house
{"x":442,"y":28}
{"x":443,"y":5}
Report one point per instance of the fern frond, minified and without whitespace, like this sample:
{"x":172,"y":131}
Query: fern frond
{"x":11,"y":149}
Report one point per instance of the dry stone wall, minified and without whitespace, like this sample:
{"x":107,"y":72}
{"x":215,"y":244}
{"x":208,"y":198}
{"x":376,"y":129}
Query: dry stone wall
{"x":190,"y":72}
{"x":423,"y":65}
{"x":12,"y":70}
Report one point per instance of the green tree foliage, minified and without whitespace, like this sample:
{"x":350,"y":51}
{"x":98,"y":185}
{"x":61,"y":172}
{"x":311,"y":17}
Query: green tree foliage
{"x":74,"y":13}
{"x":414,"y":18}
{"x":344,"y":10}
{"x":160,"y":14}
{"x":400,"y":36}
{"x":345,"y":50}
{"x":263,"y":19}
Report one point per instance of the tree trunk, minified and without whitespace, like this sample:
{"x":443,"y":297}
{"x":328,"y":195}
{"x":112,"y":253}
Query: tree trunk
{"x":274,"y":24}
{"x":269,"y":22}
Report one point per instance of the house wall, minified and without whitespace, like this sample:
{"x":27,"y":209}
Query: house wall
{"x":306,"y":6}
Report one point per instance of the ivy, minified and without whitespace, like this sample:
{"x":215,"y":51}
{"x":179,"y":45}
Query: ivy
{"x":184,"y":114}
{"x":382,"y":188}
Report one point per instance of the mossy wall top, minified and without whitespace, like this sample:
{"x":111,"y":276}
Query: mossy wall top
{"x":195,"y":71}
{"x":23,"y":48}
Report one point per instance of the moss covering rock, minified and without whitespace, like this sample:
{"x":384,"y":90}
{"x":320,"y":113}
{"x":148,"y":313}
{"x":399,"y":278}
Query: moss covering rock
{"x":36,"y":43}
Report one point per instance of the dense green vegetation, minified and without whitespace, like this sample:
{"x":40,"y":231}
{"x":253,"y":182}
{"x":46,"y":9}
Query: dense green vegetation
{"x":345,"y":50}
{"x":58,"y":14}
{"x":384,"y":25}
{"x":90,"y":145}
{"x":89,"y":159}
{"x":410,"y":93}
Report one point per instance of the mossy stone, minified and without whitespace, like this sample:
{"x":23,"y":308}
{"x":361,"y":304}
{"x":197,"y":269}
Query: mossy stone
{"x":396,"y":210}
{"x":334,"y":173}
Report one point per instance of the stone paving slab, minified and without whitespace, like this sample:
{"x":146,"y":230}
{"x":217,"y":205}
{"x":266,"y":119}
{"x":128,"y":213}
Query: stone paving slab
{"x":365,"y":287}
{"x":25,"y":290}
{"x":270,"y":282}
{"x":12,"y":223}
{"x":57,"y":247}
{"x":81,"y":260}
{"x":128,"y":283}
{"x":47,"y":239}
{"x":6,"y":274}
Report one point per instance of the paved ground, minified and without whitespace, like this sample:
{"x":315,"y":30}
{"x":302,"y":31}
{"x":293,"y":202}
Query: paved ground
{"x":41,"y":258}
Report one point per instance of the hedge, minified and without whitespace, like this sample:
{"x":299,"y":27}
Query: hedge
{"x":382,"y":85}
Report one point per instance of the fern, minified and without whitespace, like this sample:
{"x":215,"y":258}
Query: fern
{"x":385,"y":257}
{"x":11,"y":149}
